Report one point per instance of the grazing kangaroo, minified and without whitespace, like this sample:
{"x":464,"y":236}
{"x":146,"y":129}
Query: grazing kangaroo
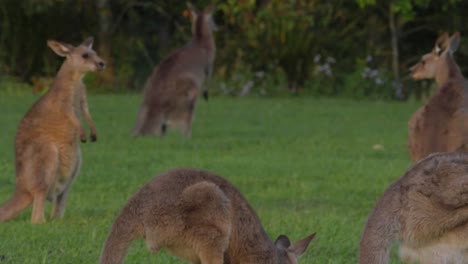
{"x":199,"y":217}
{"x":441,"y":125}
{"x":172,"y":90}
{"x":47,"y":152}
{"x":426,"y":210}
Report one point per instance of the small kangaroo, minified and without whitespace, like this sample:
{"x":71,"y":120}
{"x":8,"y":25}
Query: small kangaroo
{"x":441,"y":125}
{"x":172,"y":90}
{"x":426,"y":210}
{"x":47,"y":152}
{"x":199,"y":217}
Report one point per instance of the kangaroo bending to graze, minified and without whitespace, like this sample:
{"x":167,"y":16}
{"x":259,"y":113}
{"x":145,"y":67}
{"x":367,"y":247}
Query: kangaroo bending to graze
{"x":441,"y":125}
{"x":426,"y":210}
{"x":47,"y":151}
{"x":172,"y":90}
{"x":199,"y":217}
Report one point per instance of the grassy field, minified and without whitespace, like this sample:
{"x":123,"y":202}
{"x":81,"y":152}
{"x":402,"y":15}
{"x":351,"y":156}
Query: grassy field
{"x":306,"y":165}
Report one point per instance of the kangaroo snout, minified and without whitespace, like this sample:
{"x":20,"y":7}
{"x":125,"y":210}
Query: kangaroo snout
{"x":412,"y":72}
{"x":101,"y":65}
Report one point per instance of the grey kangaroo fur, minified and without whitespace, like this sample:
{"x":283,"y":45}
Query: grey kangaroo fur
{"x":47,"y":151}
{"x":441,"y":125}
{"x":199,"y":217}
{"x":426,"y":210}
{"x":172,"y":90}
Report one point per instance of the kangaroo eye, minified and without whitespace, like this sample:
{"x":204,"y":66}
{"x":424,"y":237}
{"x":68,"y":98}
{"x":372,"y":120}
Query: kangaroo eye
{"x":85,"y":55}
{"x":423,"y":62}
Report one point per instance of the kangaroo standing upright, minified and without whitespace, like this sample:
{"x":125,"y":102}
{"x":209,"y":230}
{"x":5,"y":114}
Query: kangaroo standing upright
{"x":426,"y":210}
{"x":47,"y":151}
{"x":441,"y":125}
{"x":172,"y":90}
{"x":199,"y":217}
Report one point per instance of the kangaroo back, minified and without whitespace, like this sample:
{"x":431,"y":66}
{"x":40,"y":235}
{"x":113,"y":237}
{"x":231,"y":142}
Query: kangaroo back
{"x":199,"y":217}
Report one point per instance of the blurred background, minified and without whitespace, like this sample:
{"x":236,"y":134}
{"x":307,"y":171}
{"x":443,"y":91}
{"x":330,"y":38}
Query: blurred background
{"x":341,"y":48}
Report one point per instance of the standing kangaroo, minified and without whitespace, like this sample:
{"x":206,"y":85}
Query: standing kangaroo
{"x":199,"y":217}
{"x":172,"y":90}
{"x":426,"y":210}
{"x":47,"y":152}
{"x":441,"y":125}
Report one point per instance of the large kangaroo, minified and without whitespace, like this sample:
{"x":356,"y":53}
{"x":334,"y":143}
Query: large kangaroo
{"x":199,"y":217}
{"x":47,"y":152}
{"x":172,"y":90}
{"x":441,"y":125}
{"x":426,"y":210}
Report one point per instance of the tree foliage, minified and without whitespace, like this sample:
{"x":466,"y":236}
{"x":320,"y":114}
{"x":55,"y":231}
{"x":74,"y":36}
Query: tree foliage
{"x":316,"y":46}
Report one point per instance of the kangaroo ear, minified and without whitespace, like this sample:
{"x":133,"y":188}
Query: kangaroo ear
{"x":441,"y":44}
{"x":454,"y":42}
{"x":282,"y":242}
{"x":88,"y":42}
{"x":61,"y":49}
{"x":193,"y":11}
{"x":300,"y":246}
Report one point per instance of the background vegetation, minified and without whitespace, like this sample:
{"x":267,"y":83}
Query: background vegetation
{"x":353,"y":48}
{"x":306,"y":165}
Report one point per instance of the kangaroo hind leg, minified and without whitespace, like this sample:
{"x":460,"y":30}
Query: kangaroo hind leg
{"x":58,"y":209}
{"x":211,"y":256}
{"x":208,"y":212}
{"x":45,"y":182}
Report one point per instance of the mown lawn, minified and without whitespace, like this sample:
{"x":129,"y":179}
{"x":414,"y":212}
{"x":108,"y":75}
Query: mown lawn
{"x":306,"y":165}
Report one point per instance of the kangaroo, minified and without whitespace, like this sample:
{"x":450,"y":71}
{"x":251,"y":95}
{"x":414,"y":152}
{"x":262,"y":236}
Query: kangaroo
{"x":47,"y":152}
{"x":172,"y":90}
{"x":199,"y":217}
{"x":426,"y":210}
{"x":441,"y":125}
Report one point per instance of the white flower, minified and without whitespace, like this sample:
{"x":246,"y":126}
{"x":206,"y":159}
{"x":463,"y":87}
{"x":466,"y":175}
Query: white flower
{"x":246,"y":88}
{"x":325,"y":68}
{"x":317,"y":58}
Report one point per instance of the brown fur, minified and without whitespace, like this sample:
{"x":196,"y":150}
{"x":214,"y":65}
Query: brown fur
{"x":199,"y":217}
{"x":47,"y":152}
{"x":441,"y":125}
{"x":172,"y":90}
{"x":426,"y":210}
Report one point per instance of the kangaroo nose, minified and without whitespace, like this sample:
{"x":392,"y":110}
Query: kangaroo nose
{"x":101,"y":65}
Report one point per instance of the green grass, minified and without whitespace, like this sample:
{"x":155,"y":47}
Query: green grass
{"x":306,"y":165}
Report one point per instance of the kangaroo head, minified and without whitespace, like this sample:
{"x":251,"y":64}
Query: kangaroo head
{"x":427,"y":67}
{"x":81,"y":58}
{"x":289,"y":254}
{"x":202,"y":21}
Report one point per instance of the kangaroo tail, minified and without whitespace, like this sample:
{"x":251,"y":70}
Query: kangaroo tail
{"x":381,"y":229}
{"x":14,"y":205}
{"x":125,"y":229}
